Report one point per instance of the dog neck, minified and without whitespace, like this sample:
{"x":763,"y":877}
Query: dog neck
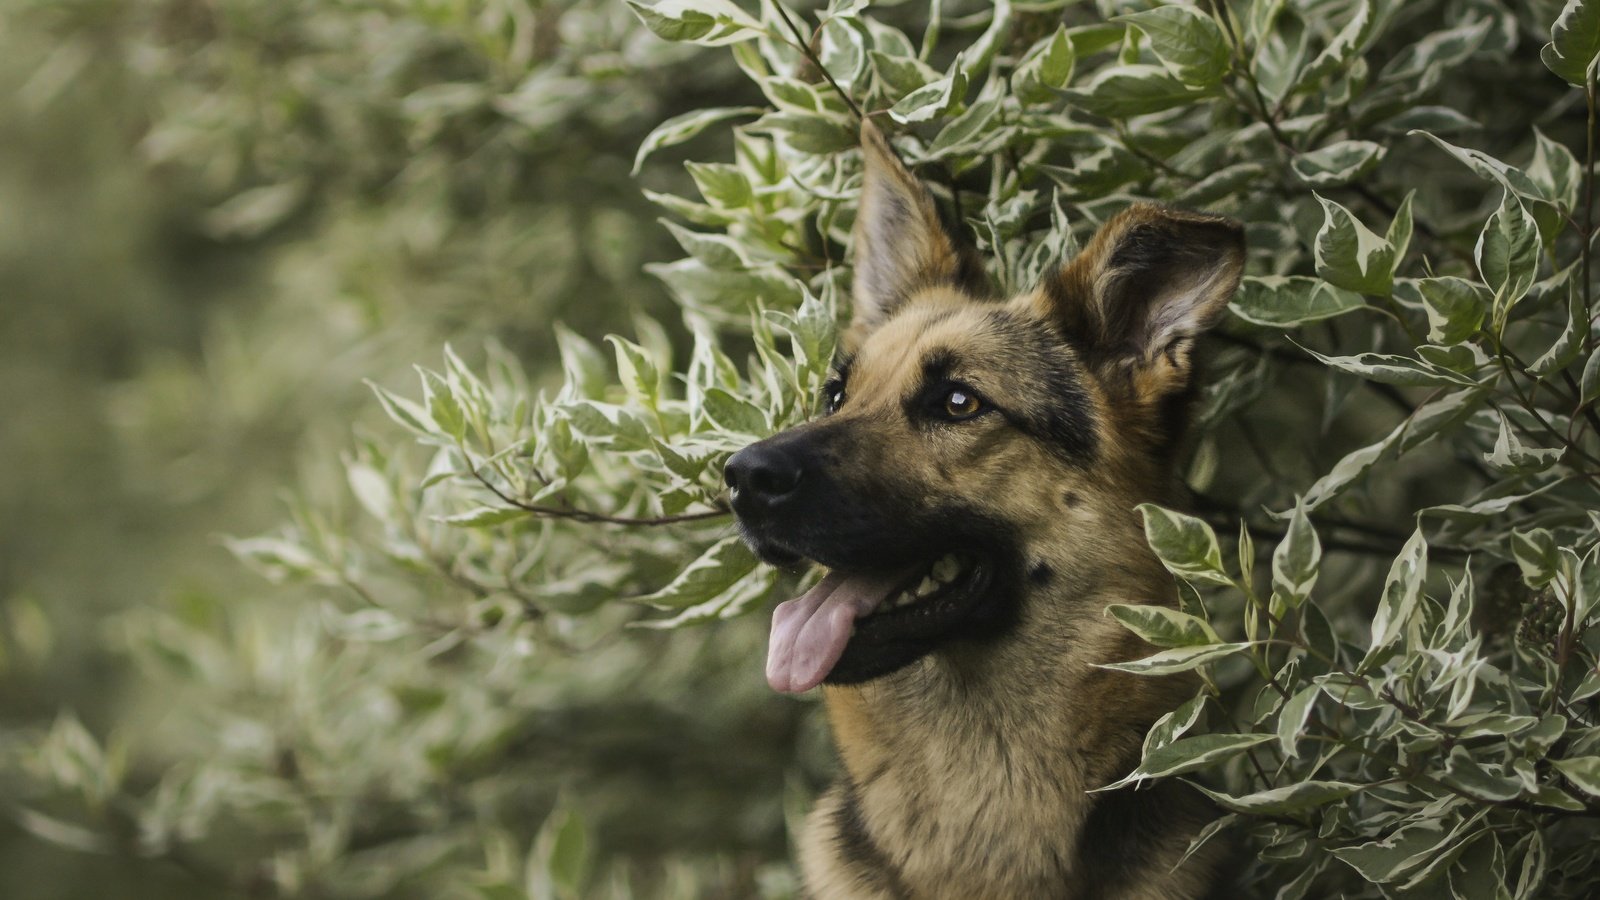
{"x":968,"y":771}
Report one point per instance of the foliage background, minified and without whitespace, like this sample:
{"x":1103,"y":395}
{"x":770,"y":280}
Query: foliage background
{"x":223,"y":215}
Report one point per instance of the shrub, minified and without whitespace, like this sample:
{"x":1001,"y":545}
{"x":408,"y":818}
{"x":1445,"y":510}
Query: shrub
{"x":1398,"y":439}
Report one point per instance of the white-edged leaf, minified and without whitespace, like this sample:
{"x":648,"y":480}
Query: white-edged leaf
{"x":681,"y":128}
{"x":1574,"y":41}
{"x":1188,"y":43}
{"x":1178,"y":659}
{"x":1281,"y":801}
{"x":1163,"y":626}
{"x":715,"y":571}
{"x":1280,"y":301}
{"x":1189,"y":754}
{"x":1185,"y":545}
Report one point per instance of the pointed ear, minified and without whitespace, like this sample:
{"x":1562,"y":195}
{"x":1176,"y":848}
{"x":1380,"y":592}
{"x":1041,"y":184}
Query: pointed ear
{"x":900,"y":244}
{"x":1135,"y":298}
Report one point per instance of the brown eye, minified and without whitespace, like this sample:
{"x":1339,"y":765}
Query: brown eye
{"x":961,"y":403}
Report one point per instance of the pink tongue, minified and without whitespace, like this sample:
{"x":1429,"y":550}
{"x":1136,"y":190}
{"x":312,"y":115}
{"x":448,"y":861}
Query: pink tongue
{"x":810,"y":631}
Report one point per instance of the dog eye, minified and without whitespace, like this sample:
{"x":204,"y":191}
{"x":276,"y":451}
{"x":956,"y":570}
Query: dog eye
{"x":833,"y":395}
{"x":961,"y":403}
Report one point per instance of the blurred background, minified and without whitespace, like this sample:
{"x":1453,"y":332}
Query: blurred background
{"x":217,"y":217}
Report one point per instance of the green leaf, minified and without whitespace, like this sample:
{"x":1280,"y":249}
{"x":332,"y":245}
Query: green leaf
{"x":1468,"y":774}
{"x":1512,"y":456}
{"x":1185,"y":544}
{"x":1338,"y":163}
{"x":1535,"y":200}
{"x":1351,"y":41}
{"x":583,"y":367}
{"x":1455,"y":306}
{"x":1223,"y":183}
{"x":444,"y":408}
{"x":1120,"y":92}
{"x":1351,"y":256}
{"x":1555,"y":171}
{"x":558,"y":863}
{"x":1429,"y":420}
{"x":967,"y":131}
{"x":717,"y":570}
{"x":254,"y":212}
{"x":403,"y":411}
{"x":1402,"y":592}
{"x":1574,"y":41}
{"x":369,"y":626}
{"x":1282,"y":801}
{"x":1391,"y":858}
{"x":1045,"y":69}
{"x":709,"y":23}
{"x":1572,"y":339}
{"x":1583,"y":771}
{"x":1536,"y":555}
{"x":683,"y":127}
{"x":1188,"y":43}
{"x":902,"y":74}
{"x":1390,"y":369}
{"x":638,"y":372}
{"x":736,"y":414}
{"x":716,"y":251}
{"x":982,"y":50}
{"x":1279,"y":301}
{"x":1176,"y":724}
{"x":723,"y":185}
{"x":1189,"y":754}
{"x":1178,"y":659}
{"x":818,"y":134}
{"x":1292,"y":719}
{"x":735,"y":601}
{"x":729,"y":296}
{"x":1508,"y":255}
{"x":1589,"y":385}
{"x":1097,"y":174}
{"x":485,"y":516}
{"x":843,"y":50}
{"x":1163,"y":626}
{"x":1298,"y":557}
{"x":933,"y":99}
{"x":276,"y":558}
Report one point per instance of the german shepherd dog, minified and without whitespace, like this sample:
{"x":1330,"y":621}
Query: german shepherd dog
{"x":971,"y":491}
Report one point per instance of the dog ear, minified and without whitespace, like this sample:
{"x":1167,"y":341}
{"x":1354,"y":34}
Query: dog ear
{"x":900,"y":244}
{"x":1150,"y":280}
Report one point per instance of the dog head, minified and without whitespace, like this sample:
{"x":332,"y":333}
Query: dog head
{"x":973,"y":447}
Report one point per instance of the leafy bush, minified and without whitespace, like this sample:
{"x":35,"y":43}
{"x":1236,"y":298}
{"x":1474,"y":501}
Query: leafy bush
{"x":1410,"y":372}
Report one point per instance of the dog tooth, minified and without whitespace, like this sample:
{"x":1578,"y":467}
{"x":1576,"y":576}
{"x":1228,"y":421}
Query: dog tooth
{"x":928,"y":586}
{"x":946,"y":568}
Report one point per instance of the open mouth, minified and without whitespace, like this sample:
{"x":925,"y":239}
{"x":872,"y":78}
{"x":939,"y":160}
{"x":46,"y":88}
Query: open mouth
{"x":857,"y":625}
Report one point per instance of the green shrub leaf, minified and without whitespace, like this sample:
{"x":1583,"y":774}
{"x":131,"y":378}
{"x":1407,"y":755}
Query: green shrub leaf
{"x":1185,"y":545}
{"x":1574,"y":41}
{"x":1188,"y":43}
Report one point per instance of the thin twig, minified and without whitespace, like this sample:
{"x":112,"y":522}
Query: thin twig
{"x":1588,"y":213}
{"x":804,"y":46}
{"x":719,"y":510}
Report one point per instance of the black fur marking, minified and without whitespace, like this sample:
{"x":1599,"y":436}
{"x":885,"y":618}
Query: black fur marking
{"x":1128,"y":831}
{"x":856,"y":845}
{"x":938,"y":364}
{"x":1057,"y":411}
{"x":841,"y":366}
{"x":1040,"y":575}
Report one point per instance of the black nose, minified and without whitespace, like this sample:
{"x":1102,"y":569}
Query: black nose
{"x":761,"y":474}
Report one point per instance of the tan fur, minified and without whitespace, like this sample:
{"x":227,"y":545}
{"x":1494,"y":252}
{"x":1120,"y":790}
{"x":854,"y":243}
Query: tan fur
{"x":967,"y":772}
